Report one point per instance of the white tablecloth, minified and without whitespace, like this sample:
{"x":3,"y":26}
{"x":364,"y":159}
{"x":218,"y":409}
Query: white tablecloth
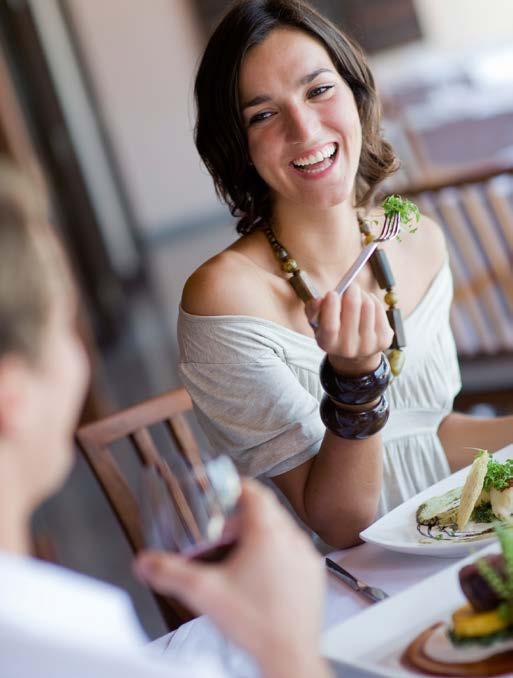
{"x":392,"y":572}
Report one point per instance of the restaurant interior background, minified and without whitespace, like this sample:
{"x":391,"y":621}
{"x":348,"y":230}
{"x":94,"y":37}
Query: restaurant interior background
{"x":95,"y":101}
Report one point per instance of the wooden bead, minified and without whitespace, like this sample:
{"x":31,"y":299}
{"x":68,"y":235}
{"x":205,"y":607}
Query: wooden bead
{"x":364,"y":226}
{"x":282,"y":254}
{"x":381,"y":269}
{"x":396,"y":358}
{"x":303,"y":286}
{"x":391,"y":298}
{"x":368,"y":239}
{"x":289,"y":266}
{"x":395,"y":319}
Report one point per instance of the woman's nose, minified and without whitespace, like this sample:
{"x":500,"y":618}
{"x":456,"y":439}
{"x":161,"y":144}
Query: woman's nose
{"x":302,"y":124}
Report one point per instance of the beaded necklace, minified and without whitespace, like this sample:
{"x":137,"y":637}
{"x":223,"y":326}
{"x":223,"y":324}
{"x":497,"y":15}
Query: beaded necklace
{"x":380,"y":267}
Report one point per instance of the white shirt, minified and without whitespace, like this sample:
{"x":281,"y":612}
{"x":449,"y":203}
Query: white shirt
{"x":58,"y":624}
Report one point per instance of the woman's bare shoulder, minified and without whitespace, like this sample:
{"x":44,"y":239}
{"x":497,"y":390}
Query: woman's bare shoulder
{"x":226,"y":284}
{"x":428,"y":241}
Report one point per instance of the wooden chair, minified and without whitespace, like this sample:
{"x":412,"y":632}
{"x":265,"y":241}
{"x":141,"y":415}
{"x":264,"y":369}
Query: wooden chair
{"x":44,"y":548}
{"x":96,"y":439}
{"x":475,"y":210}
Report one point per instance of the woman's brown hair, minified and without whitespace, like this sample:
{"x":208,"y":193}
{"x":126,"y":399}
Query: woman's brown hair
{"x":220,"y":134}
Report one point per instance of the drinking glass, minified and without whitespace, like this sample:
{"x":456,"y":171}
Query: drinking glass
{"x":191,"y":509}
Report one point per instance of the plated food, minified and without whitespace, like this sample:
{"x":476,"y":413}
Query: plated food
{"x":471,"y":512}
{"x":438,"y":535}
{"x":478,"y":639}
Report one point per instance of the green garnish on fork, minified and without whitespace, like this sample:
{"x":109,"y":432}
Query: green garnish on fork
{"x":406,"y":209}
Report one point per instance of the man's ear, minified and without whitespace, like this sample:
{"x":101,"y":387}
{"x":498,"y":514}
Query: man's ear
{"x":14,"y":394}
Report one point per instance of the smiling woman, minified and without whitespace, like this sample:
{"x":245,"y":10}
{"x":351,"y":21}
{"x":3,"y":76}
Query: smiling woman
{"x":288,"y":125}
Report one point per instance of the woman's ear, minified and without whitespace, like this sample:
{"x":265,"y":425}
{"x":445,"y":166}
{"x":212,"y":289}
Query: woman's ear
{"x":15,"y":400}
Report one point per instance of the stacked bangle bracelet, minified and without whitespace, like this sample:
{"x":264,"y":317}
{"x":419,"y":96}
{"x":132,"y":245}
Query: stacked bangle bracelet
{"x":351,"y":424}
{"x":343,"y":409}
{"x":355,"y":390}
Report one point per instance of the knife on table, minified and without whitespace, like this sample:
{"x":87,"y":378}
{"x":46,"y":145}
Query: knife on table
{"x":371,"y":592}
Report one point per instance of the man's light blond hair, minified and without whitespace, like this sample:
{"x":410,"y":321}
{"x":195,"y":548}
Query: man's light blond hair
{"x":33,"y":268}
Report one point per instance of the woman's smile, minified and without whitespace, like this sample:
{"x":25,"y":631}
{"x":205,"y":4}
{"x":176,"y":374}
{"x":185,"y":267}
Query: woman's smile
{"x":316,"y":163}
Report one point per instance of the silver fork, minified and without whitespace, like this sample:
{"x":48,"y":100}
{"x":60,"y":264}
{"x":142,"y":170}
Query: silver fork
{"x":390,"y":230}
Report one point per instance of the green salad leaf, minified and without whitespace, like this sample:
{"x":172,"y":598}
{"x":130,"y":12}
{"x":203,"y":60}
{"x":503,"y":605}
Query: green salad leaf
{"x":483,"y":513}
{"x":408,"y":211}
{"x":498,"y":475}
{"x":502,"y":585}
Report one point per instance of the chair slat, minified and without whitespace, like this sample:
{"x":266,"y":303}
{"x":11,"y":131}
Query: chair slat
{"x":503,"y":211}
{"x":183,"y":438}
{"x":145,"y":446}
{"x":181,"y":503}
{"x":481,"y":281}
{"x":116,"y":489}
{"x":476,"y":212}
{"x":133,"y":423}
{"x":490,"y":242}
{"x":464,"y":252}
{"x":466,"y":302}
{"x":150,"y":456}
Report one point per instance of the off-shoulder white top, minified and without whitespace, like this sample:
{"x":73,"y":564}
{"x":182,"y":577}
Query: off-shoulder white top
{"x":256,"y":393}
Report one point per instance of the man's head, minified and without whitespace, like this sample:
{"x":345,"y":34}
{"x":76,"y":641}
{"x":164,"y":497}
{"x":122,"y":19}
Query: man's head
{"x":43,"y":369}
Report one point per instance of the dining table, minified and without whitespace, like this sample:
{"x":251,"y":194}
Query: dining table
{"x":391,"y":571}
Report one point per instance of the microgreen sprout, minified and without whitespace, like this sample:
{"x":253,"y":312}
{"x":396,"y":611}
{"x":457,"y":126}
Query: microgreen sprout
{"x":408,"y":212}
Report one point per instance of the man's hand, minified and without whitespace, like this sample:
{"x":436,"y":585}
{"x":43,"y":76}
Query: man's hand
{"x":266,"y":595}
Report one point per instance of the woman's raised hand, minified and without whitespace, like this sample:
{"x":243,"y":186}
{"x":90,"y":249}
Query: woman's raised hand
{"x":353,"y":329}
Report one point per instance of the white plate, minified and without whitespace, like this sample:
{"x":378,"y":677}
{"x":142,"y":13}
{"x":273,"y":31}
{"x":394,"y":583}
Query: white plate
{"x":397,"y":530}
{"x":375,"y":639}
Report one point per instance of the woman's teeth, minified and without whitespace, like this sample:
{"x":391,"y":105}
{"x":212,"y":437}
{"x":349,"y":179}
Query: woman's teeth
{"x":316,"y":162}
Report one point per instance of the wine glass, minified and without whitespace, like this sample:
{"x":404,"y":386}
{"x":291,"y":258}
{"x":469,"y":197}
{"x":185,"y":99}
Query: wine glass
{"x":191,"y":509}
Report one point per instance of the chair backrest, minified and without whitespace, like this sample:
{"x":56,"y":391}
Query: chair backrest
{"x":476,"y":212}
{"x":95,"y":440}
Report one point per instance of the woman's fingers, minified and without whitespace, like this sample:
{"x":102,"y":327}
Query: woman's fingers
{"x":352,"y":326}
{"x":367,"y":328}
{"x":329,"y":322}
{"x":350,"y":322}
{"x":384,"y":332}
{"x":312,"y":308}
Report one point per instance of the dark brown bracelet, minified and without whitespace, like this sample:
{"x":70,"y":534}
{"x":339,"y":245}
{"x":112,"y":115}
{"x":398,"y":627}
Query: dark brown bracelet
{"x":354,"y":425}
{"x":358,"y":390}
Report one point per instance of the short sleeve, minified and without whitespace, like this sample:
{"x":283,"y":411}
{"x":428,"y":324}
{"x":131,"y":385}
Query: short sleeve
{"x":247,"y":398}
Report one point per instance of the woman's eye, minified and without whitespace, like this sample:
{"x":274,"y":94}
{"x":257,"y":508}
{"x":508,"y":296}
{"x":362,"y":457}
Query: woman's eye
{"x":259,"y":117}
{"x":317,"y":91}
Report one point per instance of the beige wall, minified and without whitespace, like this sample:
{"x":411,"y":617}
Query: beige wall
{"x":454,"y":32}
{"x":454,"y":24}
{"x":142,"y":57}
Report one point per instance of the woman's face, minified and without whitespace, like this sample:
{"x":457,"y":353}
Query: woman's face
{"x":303,"y":129}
